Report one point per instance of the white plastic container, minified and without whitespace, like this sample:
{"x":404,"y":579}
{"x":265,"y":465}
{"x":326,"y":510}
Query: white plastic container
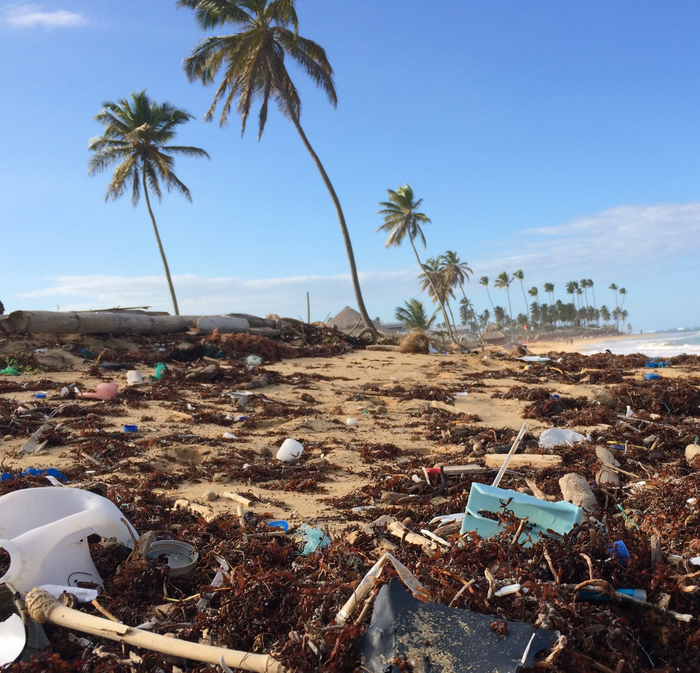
{"x":133,"y":378}
{"x":290,"y":451}
{"x":45,"y":533}
{"x":351,"y":422}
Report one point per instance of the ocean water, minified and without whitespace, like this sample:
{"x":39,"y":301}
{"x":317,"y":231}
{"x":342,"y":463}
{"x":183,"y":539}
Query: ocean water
{"x":656,"y":345}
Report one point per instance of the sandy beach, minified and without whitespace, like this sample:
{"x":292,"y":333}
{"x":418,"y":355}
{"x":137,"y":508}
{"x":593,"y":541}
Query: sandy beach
{"x":356,"y":480}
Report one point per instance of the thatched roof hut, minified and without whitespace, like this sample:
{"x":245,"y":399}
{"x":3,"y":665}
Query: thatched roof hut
{"x":493,"y":336}
{"x":349,"y":320}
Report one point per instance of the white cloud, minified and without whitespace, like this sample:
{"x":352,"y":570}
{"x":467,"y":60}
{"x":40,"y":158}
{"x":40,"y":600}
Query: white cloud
{"x":619,"y":243}
{"x":31,"y":16}
{"x":630,"y":239}
{"x":198,"y":295}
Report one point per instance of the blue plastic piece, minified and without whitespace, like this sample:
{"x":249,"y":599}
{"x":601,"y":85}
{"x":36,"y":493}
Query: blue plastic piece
{"x":131,"y":428}
{"x":542,"y":516}
{"x":619,"y":552}
{"x":652,"y":377}
{"x":280,"y":523}
{"x":33,"y":472}
{"x":40,"y":395}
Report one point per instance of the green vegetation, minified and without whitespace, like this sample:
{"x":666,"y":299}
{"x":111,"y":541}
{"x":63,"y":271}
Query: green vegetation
{"x":254,"y":68}
{"x":136,"y":137}
{"x":414,"y":317}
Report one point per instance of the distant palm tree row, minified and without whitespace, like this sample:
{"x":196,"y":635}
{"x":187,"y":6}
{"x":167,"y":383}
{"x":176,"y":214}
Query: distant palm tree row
{"x":441,"y":275}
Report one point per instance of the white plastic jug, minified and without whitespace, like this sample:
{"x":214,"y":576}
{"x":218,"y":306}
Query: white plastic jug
{"x":45,"y":530}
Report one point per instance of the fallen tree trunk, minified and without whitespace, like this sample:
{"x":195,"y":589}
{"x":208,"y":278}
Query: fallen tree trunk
{"x":43,"y":607}
{"x":123,"y":322}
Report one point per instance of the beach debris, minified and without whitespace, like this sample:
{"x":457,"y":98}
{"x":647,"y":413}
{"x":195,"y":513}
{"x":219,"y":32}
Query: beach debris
{"x":253,"y":361}
{"x":204,"y":374}
{"x":606,"y":475}
{"x":415,"y":342}
{"x":351,"y":422}
{"x":313,"y":538}
{"x":133,"y":378}
{"x":32,"y":445}
{"x":533,"y":460}
{"x":575,"y":489}
{"x":180,"y":556}
{"x":557,"y":437}
{"x":46,"y":531}
{"x":103,"y":391}
{"x":21,"y":638}
{"x":43,"y":608}
{"x":290,"y":451}
{"x":370,"y":580}
{"x":444,"y":639}
{"x":692,"y":451}
{"x":542,"y":517}
{"x":258,"y":382}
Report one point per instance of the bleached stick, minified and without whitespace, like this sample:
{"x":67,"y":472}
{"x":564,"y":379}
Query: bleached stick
{"x":43,"y":607}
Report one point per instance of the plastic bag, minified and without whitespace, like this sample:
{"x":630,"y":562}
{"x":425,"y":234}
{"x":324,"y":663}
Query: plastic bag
{"x":557,"y":436}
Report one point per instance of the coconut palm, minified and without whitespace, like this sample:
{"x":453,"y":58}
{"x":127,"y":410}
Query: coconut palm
{"x":253,"y":64}
{"x":456,"y":272}
{"x":613,"y":287}
{"x":571,"y":289}
{"x":583,"y":284}
{"x":534,"y":292}
{"x":604,"y":313}
{"x":503,"y":282}
{"x":549,"y":288}
{"x":136,"y":136}
{"x":622,"y":292}
{"x":402,"y":219}
{"x":520,"y":276}
{"x":413,"y":316}
{"x":435,"y":282}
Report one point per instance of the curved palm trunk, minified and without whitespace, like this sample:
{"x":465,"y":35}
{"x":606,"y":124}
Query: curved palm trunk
{"x":334,"y":197}
{"x":488,"y":294}
{"x":437,"y":295}
{"x":160,"y":247}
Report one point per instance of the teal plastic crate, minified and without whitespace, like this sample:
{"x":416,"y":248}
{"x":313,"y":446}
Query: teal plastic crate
{"x":541,"y":515}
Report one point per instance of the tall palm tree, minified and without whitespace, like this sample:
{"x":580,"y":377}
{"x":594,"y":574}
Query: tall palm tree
{"x":583,"y":284}
{"x":534,"y":292}
{"x":623,"y":292}
{"x":520,"y":276}
{"x":604,"y":313}
{"x":613,"y":287}
{"x":434,"y":281}
{"x":484,"y":280}
{"x":402,"y":219}
{"x":413,"y":316}
{"x":136,"y":137}
{"x":549,"y":287}
{"x":503,"y":282}
{"x":253,"y":63}
{"x":456,"y":272}
{"x":571,"y":289}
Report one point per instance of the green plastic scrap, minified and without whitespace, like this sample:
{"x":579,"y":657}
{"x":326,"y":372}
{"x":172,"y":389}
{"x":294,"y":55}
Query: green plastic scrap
{"x":629,"y":521}
{"x":10,"y":371}
{"x":159,"y":371}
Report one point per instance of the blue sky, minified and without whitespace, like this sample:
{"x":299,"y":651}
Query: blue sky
{"x":560,"y":138}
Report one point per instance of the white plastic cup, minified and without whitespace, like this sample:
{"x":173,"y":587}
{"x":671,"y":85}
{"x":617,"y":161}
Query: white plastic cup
{"x":290,"y":451}
{"x":133,"y":378}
